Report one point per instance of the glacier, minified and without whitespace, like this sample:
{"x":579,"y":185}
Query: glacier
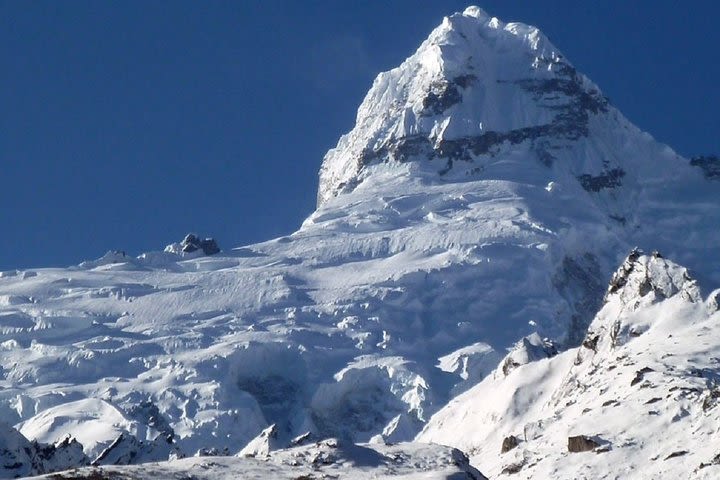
{"x":483,"y":200}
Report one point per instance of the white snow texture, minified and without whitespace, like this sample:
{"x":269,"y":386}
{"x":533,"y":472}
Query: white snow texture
{"x":482,"y":201}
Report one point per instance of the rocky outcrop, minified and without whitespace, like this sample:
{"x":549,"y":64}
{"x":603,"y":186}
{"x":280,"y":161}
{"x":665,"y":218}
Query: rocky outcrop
{"x":582,"y":443}
{"x":149,"y":414}
{"x":263,"y":444}
{"x":126,"y":449}
{"x":439,"y":105}
{"x":710,"y":166}
{"x":609,"y":179}
{"x":528,"y":349}
{"x":192,"y":244}
{"x":642,"y":280}
{"x":20,"y":457}
{"x":509,"y":443}
{"x":641,"y":274}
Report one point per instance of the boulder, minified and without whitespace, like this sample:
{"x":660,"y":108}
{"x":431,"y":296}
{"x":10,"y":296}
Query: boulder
{"x":509,"y":443}
{"x":193,"y":245}
{"x":582,"y":443}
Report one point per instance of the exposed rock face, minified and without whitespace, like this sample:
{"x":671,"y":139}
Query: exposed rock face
{"x":192,"y":243}
{"x":263,"y":444}
{"x":509,"y":443}
{"x":642,"y":280}
{"x":582,"y":443}
{"x":149,"y":414}
{"x":20,"y":457}
{"x":710,"y":166}
{"x":529,"y":349}
{"x":643,"y":387}
{"x":610,"y":179}
{"x":127,"y":449}
{"x":440,"y":106}
{"x":640,"y":275}
{"x":713,"y":302}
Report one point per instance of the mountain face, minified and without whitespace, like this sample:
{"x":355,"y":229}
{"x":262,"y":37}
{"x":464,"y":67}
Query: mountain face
{"x":483,"y":199}
{"x":638,"y":398}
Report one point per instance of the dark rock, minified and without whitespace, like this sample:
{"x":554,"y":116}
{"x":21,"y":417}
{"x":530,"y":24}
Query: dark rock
{"x":582,"y":443}
{"x":714,"y":461}
{"x":509,"y":443}
{"x":620,"y":277}
{"x":122,"y":451}
{"x":509,"y":365}
{"x":512,"y":468}
{"x":591,"y":342}
{"x":639,"y":375}
{"x":608,"y":179}
{"x":711,"y":399}
{"x":463,"y":462}
{"x":442,"y":95}
{"x":528,"y":349}
{"x":192,"y":243}
{"x":464,"y":81}
{"x":645,"y":287}
{"x":679,"y":453}
{"x":213,"y":452}
{"x":148,"y":413}
{"x":710,"y":166}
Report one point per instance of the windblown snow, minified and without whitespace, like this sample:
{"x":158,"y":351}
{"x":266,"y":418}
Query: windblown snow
{"x":483,"y":199}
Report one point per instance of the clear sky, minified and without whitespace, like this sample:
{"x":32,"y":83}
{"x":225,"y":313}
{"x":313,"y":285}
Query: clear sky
{"x":126,"y":124}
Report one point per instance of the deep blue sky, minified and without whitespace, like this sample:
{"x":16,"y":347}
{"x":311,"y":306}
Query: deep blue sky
{"x":126,"y":124}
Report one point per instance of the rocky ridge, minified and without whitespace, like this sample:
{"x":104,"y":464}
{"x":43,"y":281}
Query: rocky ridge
{"x":638,"y":394}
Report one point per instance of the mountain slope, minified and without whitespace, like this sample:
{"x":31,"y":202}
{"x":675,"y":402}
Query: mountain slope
{"x":486,"y":193}
{"x":642,"y":388}
{"x":327,"y":459}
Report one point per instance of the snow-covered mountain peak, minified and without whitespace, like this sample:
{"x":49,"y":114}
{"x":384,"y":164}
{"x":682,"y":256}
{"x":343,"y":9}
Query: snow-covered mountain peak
{"x":474,"y":84}
{"x":483,"y":197}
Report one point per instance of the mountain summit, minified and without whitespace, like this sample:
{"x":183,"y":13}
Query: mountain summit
{"x":474,"y":87}
{"x":483,"y":200}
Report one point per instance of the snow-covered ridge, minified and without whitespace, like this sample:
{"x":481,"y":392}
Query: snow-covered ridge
{"x":639,"y":395}
{"x":329,"y":458}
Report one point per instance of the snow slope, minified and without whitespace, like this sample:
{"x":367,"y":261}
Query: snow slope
{"x":327,"y":459}
{"x":643,"y":386}
{"x":486,"y":193}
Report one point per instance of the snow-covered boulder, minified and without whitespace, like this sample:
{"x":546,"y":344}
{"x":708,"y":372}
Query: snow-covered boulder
{"x":263,"y":444}
{"x":192,"y":243}
{"x":528,"y":349}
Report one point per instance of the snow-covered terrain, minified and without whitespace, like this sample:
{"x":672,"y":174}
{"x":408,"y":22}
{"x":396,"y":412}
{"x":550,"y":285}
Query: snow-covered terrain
{"x":486,"y":195}
{"x":642,"y":391}
{"x":329,"y":458}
